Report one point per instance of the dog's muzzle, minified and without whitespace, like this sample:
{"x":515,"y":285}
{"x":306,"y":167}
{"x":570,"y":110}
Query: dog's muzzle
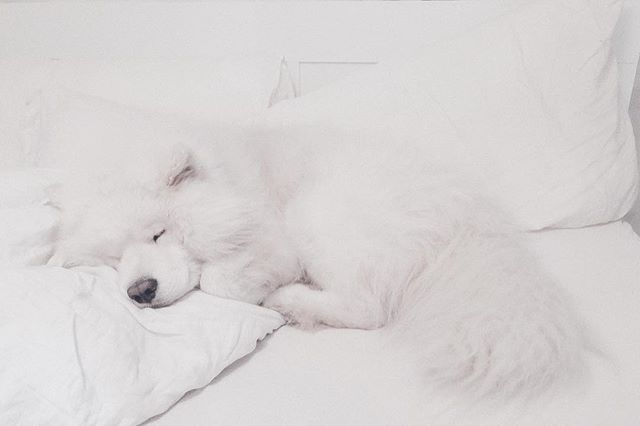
{"x":143,"y":290}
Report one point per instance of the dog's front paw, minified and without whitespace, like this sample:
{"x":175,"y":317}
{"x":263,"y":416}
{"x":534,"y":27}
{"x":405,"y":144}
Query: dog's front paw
{"x":290,"y":302}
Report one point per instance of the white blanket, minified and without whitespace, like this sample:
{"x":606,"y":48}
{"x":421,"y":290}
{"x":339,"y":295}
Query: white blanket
{"x":75,"y":351}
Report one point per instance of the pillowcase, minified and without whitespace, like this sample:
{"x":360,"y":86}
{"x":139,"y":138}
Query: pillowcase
{"x":528,"y":101}
{"x":215,"y":91}
{"x":75,"y":351}
{"x":27,"y":224}
{"x":222,"y":90}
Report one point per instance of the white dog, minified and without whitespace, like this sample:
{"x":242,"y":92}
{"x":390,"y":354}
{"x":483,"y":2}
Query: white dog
{"x":348,"y":234}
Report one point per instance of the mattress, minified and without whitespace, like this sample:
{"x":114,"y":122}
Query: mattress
{"x":352,"y":377}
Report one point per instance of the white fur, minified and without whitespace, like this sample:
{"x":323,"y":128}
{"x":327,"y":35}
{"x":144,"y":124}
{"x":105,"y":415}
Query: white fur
{"x":348,"y":234}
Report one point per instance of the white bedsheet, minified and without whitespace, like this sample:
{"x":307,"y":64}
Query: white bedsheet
{"x":348,"y":377}
{"x":75,"y":351}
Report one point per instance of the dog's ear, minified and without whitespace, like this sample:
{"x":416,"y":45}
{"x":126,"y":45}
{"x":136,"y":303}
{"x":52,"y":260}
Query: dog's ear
{"x":183,"y":167}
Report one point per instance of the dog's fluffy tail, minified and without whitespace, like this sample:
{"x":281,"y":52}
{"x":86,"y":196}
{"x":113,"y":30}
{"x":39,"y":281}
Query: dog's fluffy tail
{"x":485,"y":317}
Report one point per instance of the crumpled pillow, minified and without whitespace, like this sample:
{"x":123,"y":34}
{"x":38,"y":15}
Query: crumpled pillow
{"x":76,"y":351}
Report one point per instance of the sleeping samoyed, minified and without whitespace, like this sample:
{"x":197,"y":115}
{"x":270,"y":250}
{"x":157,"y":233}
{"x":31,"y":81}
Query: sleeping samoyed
{"x":345,"y":234}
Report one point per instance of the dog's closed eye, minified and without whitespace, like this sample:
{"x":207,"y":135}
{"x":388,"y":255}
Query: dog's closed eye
{"x":158,"y":235}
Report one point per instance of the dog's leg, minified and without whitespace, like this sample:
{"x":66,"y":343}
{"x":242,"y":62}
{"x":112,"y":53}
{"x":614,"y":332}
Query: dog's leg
{"x":226,"y":280}
{"x":307,"y":307}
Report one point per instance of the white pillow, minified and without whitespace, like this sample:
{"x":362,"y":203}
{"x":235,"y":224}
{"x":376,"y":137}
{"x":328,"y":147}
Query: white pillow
{"x":219,"y":91}
{"x":75,"y":351}
{"x":213,"y":90}
{"x":529,"y":101}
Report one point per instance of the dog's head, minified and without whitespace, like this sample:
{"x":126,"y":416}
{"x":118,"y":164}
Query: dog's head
{"x":157,"y":233}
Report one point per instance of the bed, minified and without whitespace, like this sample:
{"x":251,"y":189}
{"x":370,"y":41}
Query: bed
{"x":296,"y":377}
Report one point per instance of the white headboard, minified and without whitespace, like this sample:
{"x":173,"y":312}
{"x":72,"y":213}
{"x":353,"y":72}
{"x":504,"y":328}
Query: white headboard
{"x":323,"y":40}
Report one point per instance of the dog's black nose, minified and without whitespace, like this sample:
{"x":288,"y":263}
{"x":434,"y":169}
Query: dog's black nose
{"x":143,"y":290}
